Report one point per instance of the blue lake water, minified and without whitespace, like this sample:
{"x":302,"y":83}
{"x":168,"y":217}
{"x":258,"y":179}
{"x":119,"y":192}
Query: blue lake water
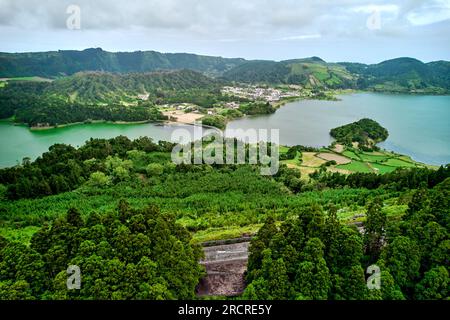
{"x":418,"y":127}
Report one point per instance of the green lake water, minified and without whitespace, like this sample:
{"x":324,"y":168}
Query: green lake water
{"x":17,"y":142}
{"x":418,"y":127}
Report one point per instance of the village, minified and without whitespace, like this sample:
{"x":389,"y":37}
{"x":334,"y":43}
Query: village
{"x":258,"y":93}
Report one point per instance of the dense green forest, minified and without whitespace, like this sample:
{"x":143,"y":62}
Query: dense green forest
{"x":403,"y":75}
{"x":105,"y":96}
{"x":315,"y":256}
{"x":68,"y":62}
{"x":125,"y":254}
{"x":257,"y":108}
{"x":366,"y":132}
{"x":65,"y":168}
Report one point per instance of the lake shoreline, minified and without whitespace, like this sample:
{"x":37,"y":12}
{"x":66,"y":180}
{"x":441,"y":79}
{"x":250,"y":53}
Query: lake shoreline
{"x":43,"y":128}
{"x":298,"y":127}
{"x":355,"y":105}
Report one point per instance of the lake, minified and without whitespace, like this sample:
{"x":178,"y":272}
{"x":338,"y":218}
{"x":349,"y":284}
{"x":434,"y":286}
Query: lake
{"x":418,"y":127}
{"x":17,"y":142}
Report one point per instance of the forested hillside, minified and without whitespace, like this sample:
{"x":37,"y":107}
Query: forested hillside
{"x":310,"y":73}
{"x":397,"y":75}
{"x":64,"y":63}
{"x":161,"y":265}
{"x":104,"y":96}
{"x":315,"y":257}
{"x":403,"y":75}
{"x":90,"y":205}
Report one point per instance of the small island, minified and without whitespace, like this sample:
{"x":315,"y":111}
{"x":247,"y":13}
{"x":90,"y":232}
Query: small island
{"x":366,"y":133}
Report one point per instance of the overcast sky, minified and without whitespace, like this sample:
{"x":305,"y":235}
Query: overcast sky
{"x":335,"y":30}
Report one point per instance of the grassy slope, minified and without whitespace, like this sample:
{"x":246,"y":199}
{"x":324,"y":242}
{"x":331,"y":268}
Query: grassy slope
{"x":211,"y":205}
{"x":378,"y":162}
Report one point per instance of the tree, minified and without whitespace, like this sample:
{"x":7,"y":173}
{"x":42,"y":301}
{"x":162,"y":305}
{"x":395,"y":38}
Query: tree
{"x":74,"y":218}
{"x":389,"y":289}
{"x":402,"y":258}
{"x":145,"y":256}
{"x":434,"y":285}
{"x":354,"y":284}
{"x":99,"y":179}
{"x":19,"y":290}
{"x":374,"y":229}
{"x":331,"y":241}
{"x":312,"y":281}
{"x":274,"y":271}
{"x":121,"y":174}
{"x":257,"y":290}
{"x":267,"y":231}
{"x":3,"y":192}
{"x":154,"y":169}
{"x":257,"y":246}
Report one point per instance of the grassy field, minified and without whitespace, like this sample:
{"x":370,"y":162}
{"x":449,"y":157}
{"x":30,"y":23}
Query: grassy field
{"x":382,"y":168}
{"x":377,"y":162}
{"x":351,"y":155}
{"x":356,"y":166}
{"x":310,"y":160}
{"x":373,"y":158}
{"x":22,"y":235}
{"x":224,"y":233}
{"x":27,"y":79}
{"x":399,"y":163}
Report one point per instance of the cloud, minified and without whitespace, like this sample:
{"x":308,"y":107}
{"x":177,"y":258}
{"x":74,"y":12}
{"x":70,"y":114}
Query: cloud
{"x":429,"y":13}
{"x":220,"y":19}
{"x":299,"y":37}
{"x":218,"y":25}
{"x":371,"y":8}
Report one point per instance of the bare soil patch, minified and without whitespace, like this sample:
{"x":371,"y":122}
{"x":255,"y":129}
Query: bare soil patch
{"x":331,"y":156}
{"x":181,"y":117}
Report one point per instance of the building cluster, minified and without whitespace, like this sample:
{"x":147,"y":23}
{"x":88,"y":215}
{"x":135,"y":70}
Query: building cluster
{"x":232,"y":105}
{"x":257,"y":93}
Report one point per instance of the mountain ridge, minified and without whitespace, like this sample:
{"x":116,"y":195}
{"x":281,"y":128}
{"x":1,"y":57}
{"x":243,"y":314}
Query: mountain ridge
{"x":402,"y":75}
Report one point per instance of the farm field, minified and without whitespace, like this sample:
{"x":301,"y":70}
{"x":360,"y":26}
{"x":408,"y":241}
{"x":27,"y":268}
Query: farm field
{"x":349,"y":160}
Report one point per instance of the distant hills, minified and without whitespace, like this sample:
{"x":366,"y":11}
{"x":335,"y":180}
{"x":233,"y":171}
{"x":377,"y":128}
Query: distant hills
{"x":398,"y":75}
{"x":64,"y":63}
{"x":310,"y":72}
{"x":403,"y":75}
{"x":406,"y":75}
{"x":102,"y":87}
{"x":94,"y":95}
